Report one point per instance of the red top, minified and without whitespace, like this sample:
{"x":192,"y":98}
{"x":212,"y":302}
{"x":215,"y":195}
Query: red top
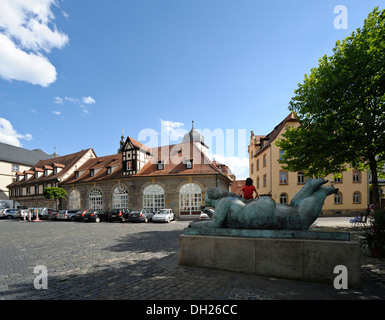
{"x":248,"y":192}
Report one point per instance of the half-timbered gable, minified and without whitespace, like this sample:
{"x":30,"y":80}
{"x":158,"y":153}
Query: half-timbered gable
{"x":134,"y":156}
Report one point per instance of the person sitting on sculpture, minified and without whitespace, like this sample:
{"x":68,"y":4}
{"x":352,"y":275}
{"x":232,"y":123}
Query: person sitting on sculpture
{"x":248,"y":190}
{"x":232,"y":211}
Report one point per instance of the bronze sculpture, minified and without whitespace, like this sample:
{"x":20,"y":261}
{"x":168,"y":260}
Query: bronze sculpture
{"x":231,"y":211}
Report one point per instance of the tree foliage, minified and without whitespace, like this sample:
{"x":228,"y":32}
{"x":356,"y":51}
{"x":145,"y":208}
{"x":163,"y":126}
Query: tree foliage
{"x":54,"y":193}
{"x":341,"y":107}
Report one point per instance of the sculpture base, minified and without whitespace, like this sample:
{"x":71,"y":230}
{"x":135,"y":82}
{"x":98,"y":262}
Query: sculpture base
{"x":297,"y":259}
{"x":315,"y":233}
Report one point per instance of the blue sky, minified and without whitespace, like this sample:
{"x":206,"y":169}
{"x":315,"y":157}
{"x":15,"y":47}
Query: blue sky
{"x":73,"y":74}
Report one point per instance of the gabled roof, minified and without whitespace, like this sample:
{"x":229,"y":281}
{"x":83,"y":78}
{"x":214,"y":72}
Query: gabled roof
{"x":136,"y":144}
{"x":65,"y":162}
{"x":23,"y":156}
{"x":267,"y":140}
{"x":175,"y":158}
{"x":99,"y":165}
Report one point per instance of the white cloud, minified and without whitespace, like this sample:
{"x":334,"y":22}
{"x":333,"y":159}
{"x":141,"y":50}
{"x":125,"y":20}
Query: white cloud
{"x":16,"y":64}
{"x":58,"y":100}
{"x":9,"y":135}
{"x":239,"y":166}
{"x":28,"y":31}
{"x":88,"y":100}
{"x":83,"y":102}
{"x":172,"y":129}
{"x":58,"y":113}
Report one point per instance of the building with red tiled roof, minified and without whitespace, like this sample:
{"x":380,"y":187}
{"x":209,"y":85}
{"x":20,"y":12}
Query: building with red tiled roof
{"x":174,"y":176}
{"x":29,"y":185}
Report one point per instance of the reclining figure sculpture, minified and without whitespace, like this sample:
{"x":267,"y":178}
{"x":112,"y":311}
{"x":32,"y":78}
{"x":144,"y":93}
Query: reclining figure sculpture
{"x":231,"y":211}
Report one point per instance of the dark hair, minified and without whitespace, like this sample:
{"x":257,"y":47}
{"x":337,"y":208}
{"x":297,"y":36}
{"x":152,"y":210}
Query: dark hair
{"x":249,"y":182}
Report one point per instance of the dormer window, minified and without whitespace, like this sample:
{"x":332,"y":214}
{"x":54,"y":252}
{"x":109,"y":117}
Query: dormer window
{"x":189,"y":164}
{"x":55,"y":170}
{"x":109,"y":170}
{"x":47,"y":170}
{"x":160,"y":165}
{"x":76,"y":174}
{"x":92,"y":172}
{"x":36,"y":175}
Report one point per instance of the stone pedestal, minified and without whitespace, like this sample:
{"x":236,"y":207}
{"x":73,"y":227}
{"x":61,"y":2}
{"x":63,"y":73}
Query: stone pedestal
{"x":298,"y":259}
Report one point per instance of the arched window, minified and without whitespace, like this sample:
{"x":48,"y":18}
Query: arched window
{"x":190,"y":199}
{"x":153,"y":197}
{"x":120,"y":198}
{"x":283,"y":198}
{"x":74,"y":200}
{"x":95,"y":200}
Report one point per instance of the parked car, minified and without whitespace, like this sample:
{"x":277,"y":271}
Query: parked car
{"x":206,"y":214}
{"x":66,"y":215}
{"x":163,"y":215}
{"x":121,"y":215}
{"x":8,"y":213}
{"x":95,"y":215}
{"x":53,"y":216}
{"x":143,"y":215}
{"x":79,"y":215}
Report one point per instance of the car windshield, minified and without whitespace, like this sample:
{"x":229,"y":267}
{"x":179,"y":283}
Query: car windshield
{"x":162,"y":211}
{"x":135,"y":211}
{"x":62,"y":211}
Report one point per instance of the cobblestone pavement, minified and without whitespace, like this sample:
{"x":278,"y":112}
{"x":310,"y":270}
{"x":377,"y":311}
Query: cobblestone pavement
{"x":126,"y":261}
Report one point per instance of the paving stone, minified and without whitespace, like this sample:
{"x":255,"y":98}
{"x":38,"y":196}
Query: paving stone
{"x":140,"y":261}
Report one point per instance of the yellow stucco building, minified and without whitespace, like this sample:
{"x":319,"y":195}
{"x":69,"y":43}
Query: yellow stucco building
{"x":272,"y":180}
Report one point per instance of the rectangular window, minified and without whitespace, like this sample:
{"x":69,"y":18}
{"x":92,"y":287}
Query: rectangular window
{"x":338,"y":179}
{"x":160,"y":165}
{"x":281,"y":153}
{"x":283,"y":177}
{"x":301,"y":178}
{"x":129,"y":165}
{"x":92,"y":172}
{"x":264,"y":160}
{"x":15,"y":168}
{"x":338,"y":198}
{"x":356,"y":197}
{"x":108,"y":170}
{"x":264,"y":180}
{"x":189,"y":164}
{"x":356,"y":177}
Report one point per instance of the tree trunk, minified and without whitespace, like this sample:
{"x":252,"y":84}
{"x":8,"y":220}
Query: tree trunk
{"x":376,"y":192}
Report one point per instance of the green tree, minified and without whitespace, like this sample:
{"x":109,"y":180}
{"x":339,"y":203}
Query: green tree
{"x":55,"y":194}
{"x":341,"y":108}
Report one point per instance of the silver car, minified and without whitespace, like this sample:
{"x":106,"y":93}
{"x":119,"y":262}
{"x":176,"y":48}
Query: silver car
{"x":66,"y":215}
{"x":163,"y":215}
{"x":8,"y":213}
{"x":144,"y":215}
